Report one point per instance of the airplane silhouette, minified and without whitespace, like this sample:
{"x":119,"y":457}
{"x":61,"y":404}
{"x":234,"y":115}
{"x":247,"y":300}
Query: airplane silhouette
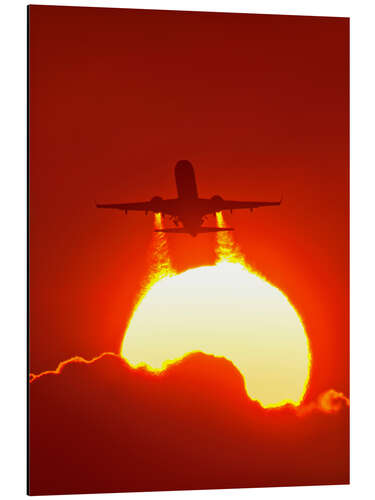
{"x":188,"y":209}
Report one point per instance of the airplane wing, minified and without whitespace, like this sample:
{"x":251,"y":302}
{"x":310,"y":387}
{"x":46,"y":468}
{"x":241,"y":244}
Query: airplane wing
{"x":141,"y":206}
{"x":236,"y":205}
{"x":156,"y":205}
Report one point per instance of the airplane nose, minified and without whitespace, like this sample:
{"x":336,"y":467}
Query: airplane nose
{"x":183,"y":164}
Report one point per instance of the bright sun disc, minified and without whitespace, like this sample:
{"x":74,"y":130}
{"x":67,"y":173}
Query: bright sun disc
{"x":229,"y":311}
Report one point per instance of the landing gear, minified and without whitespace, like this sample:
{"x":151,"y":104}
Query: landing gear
{"x":174,"y":220}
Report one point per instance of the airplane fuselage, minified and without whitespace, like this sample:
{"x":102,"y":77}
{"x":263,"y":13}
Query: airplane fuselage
{"x":190,"y":208}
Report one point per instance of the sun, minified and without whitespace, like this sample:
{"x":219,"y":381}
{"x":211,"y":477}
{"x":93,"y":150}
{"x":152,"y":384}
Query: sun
{"x":225,"y":310}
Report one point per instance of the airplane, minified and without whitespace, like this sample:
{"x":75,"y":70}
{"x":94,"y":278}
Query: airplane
{"x":188,"y":209}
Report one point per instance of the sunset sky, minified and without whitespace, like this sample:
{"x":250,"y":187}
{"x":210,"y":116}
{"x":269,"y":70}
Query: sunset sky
{"x":258,"y":103}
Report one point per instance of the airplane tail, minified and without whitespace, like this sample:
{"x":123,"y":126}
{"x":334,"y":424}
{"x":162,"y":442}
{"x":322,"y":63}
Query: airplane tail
{"x":182,"y":230}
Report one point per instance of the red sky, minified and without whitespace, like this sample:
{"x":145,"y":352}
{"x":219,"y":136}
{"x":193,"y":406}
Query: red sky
{"x":259,"y":104}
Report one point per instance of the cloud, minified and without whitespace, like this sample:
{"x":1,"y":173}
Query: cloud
{"x":101,"y":426}
{"x":329,"y":401}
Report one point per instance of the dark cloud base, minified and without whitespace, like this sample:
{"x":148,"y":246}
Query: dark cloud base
{"x":103,"y":427}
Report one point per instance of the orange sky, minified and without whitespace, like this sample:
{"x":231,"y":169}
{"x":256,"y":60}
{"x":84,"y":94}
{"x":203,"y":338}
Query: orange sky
{"x":259,"y":105}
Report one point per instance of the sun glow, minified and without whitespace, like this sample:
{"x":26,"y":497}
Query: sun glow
{"x":226,"y":310}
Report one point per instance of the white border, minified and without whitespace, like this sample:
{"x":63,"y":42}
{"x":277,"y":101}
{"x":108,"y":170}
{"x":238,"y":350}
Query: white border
{"x":13,"y":240}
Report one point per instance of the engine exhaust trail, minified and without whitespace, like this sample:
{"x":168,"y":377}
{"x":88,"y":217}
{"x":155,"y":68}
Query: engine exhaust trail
{"x":159,"y":266}
{"x":227,"y":250}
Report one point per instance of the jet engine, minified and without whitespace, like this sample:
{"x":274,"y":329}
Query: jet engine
{"x":216,"y":199}
{"x":156,"y":203}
